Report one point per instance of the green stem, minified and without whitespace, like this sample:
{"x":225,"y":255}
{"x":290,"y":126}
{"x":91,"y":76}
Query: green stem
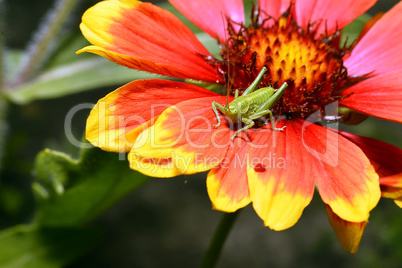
{"x":3,"y":126}
{"x":3,"y":103}
{"x":212,"y":255}
{"x":49,"y":28}
{"x":2,"y":60}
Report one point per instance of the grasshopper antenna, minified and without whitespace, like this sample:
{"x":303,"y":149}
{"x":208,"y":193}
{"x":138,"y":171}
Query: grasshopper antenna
{"x":230,"y":79}
{"x":230,"y":71}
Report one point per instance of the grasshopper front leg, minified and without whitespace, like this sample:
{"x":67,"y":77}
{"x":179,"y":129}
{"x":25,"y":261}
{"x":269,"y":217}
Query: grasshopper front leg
{"x":215,"y":107}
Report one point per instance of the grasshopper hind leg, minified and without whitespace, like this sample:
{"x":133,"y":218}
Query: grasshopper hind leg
{"x":250,"y":123}
{"x":271,"y":118}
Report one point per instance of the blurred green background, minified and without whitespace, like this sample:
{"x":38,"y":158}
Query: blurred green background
{"x":166,"y":222}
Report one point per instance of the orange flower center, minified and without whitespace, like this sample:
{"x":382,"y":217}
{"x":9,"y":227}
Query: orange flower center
{"x":312,"y":66}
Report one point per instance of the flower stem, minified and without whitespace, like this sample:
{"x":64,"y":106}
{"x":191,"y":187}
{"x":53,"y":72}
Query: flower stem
{"x":49,"y":28}
{"x":215,"y":247}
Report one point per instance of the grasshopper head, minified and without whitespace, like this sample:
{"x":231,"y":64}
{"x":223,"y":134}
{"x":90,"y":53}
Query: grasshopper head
{"x":234,"y":112}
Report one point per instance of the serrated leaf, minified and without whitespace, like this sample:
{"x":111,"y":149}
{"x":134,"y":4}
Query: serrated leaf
{"x":26,"y":246}
{"x":73,"y":192}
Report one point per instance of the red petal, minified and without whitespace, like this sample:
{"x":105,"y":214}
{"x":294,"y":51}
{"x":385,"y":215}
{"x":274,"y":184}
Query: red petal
{"x":273,"y":8}
{"x":145,"y":37}
{"x":331,"y":15}
{"x":210,"y":15}
{"x":379,"y":50}
{"x":349,"y":233}
{"x":116,"y":120}
{"x":345,"y":179}
{"x":227,"y":183}
{"x":281,"y":176}
{"x":386,"y":158}
{"x":379,"y":96}
{"x":387,"y":161}
{"x":185,"y":133}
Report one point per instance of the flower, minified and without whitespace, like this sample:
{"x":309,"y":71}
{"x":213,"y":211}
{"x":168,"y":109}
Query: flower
{"x":168,"y":127}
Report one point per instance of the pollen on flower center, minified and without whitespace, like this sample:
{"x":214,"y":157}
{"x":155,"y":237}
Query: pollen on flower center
{"x":312,"y":66}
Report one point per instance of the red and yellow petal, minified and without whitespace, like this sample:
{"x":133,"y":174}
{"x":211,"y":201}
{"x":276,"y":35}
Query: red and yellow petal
{"x":158,"y":166}
{"x":280,"y":175}
{"x":331,"y":15}
{"x":398,"y":202}
{"x":391,"y":187}
{"x":210,"y":15}
{"x":346,"y":180}
{"x":379,"y":96}
{"x":124,"y":31}
{"x":379,"y":50}
{"x":349,"y":233}
{"x":227,"y":183}
{"x":185,"y":134}
{"x":117,"y":119}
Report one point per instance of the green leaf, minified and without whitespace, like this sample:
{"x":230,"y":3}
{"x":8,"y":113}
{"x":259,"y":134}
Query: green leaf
{"x":352,"y":31}
{"x":78,"y":76}
{"x":26,"y":246}
{"x":210,"y":44}
{"x":67,"y":73}
{"x":71,"y":192}
{"x":12,"y":60}
{"x":66,"y":51}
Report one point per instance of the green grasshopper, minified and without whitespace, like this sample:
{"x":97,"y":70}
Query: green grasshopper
{"x":251,"y":105}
